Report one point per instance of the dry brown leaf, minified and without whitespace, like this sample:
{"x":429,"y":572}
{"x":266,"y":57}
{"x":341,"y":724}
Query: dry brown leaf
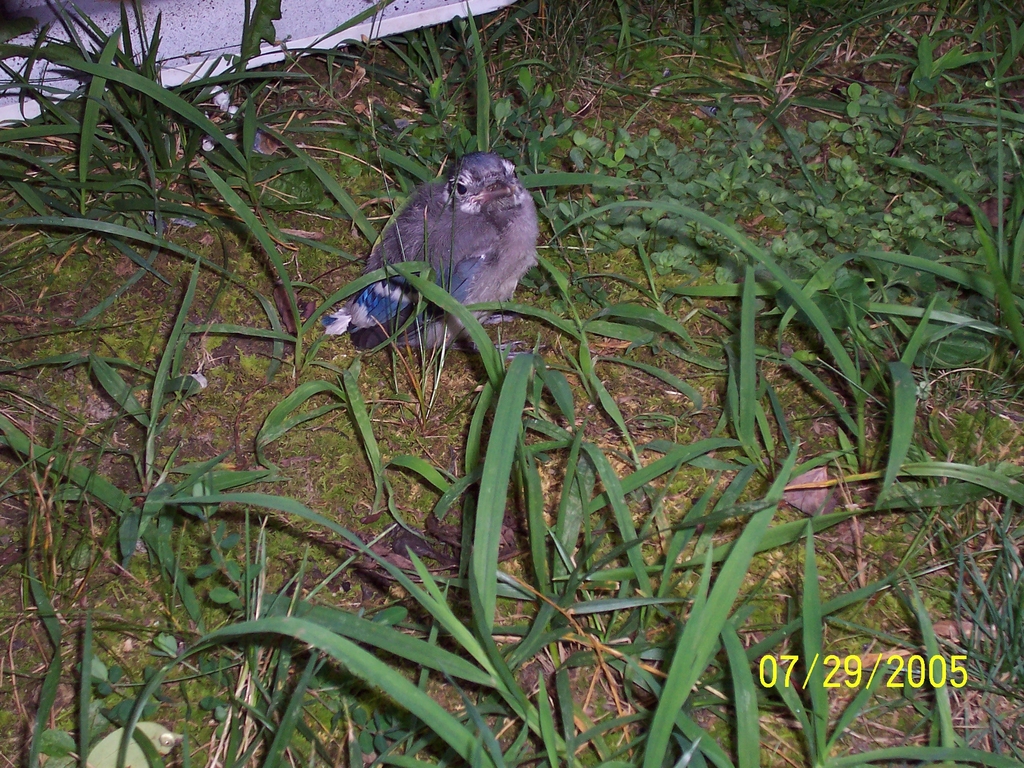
{"x":808,"y":498}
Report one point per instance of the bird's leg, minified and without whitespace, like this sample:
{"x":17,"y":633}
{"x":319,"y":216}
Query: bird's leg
{"x":499,"y":317}
{"x":512,"y":348}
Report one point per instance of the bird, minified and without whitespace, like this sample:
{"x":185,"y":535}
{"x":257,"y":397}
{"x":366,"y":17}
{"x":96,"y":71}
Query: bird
{"x":478,"y":231}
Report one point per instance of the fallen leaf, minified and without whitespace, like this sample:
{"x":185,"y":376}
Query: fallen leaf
{"x":284,"y":308}
{"x":357,"y":79}
{"x":811,"y":493}
{"x":990,"y":208}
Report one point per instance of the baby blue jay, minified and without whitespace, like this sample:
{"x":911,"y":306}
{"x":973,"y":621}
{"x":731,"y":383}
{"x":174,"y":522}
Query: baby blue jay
{"x":478,"y":230}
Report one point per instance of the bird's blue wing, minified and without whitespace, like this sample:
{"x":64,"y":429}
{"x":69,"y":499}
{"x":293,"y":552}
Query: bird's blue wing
{"x":381,"y":303}
{"x":464,"y":278}
{"x":374,"y":314}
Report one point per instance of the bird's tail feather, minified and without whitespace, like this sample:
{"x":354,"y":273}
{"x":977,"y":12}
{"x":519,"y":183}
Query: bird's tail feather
{"x":336,"y":323}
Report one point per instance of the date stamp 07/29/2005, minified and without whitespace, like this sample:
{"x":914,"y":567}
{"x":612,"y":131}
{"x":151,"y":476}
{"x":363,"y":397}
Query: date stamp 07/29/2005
{"x":850,"y":671}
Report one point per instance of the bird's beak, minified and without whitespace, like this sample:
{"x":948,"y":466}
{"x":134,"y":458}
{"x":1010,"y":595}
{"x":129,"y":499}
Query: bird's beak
{"x":496,"y":191}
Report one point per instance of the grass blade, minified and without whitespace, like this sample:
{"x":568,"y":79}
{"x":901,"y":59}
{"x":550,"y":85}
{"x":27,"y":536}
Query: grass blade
{"x":1003,"y":288}
{"x":748,"y":732}
{"x":61,"y":56}
{"x":746,"y":362}
{"x":996,"y":482}
{"x":269,"y":248}
{"x":494,"y":482}
{"x":813,"y":658}
{"x":623,"y":518}
{"x":48,"y":690}
{"x":118,"y":389}
{"x":904,"y":414}
{"x":483,"y":91}
{"x":361,"y":417}
{"x":367,"y":667}
{"x":700,"y":634}
{"x":90,"y":118}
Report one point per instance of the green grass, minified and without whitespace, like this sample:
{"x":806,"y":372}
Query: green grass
{"x":775,"y":242}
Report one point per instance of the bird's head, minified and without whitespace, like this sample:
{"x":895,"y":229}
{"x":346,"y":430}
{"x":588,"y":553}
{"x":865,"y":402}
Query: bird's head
{"x":482,"y":181}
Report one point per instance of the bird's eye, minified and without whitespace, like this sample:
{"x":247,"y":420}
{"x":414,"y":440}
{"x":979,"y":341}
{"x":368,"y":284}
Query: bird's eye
{"x":461,"y":188}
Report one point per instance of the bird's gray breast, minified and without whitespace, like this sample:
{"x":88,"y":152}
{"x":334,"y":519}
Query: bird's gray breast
{"x":509,"y":254}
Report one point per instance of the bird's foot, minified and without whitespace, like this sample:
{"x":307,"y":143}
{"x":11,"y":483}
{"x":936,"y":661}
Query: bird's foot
{"x":500,"y":317}
{"x":512,"y":348}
